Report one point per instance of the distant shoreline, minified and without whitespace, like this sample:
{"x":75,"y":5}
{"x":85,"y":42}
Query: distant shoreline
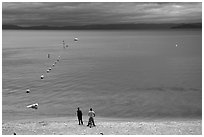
{"x":108,"y":27}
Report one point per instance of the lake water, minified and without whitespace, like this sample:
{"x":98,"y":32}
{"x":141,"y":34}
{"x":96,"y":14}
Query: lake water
{"x":120,"y":74}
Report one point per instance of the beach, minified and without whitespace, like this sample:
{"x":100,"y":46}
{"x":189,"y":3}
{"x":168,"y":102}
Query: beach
{"x":104,"y":126}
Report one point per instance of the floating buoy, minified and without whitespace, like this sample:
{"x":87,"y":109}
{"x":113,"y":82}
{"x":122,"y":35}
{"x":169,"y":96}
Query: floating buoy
{"x":28,"y":90}
{"x":48,"y":71}
{"x":53,"y":65}
{"x":50,"y":68}
{"x":76,"y":39}
{"x":42,"y":76}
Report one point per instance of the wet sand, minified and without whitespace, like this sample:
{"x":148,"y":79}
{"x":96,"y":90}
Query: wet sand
{"x":69,"y":126}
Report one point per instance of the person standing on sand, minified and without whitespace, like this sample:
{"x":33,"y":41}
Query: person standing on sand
{"x":91,"y":114}
{"x":79,"y":115}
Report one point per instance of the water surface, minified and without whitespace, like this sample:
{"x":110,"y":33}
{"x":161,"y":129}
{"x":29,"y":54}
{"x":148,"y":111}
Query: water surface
{"x":121,"y":74}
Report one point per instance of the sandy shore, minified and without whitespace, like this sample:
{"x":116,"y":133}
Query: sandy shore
{"x":69,"y":126}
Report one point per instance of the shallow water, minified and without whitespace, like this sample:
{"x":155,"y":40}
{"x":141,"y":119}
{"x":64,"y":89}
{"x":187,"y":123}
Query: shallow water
{"x":124,"y":74}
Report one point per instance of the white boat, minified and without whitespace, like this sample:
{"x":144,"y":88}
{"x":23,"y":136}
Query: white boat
{"x":34,"y":106}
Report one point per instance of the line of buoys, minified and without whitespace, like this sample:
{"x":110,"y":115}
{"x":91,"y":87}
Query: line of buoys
{"x":35,"y":105}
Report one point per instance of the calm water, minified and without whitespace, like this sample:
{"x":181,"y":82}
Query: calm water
{"x":126,"y":74}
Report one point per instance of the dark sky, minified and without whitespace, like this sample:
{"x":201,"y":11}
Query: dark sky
{"x":83,"y":13}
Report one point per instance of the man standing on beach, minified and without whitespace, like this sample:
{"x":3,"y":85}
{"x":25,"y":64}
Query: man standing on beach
{"x":79,"y":115}
{"x":91,"y":114}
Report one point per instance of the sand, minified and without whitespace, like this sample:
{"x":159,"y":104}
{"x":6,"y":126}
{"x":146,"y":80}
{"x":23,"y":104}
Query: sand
{"x":69,"y":126}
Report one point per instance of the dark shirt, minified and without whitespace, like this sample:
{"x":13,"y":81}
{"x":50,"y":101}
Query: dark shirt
{"x":79,"y":113}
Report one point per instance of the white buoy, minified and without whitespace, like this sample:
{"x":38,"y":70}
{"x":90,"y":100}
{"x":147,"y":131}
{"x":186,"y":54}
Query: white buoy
{"x":34,"y":106}
{"x":176,"y":45}
{"x":50,"y":68}
{"x":48,"y":71}
{"x":76,"y":39}
{"x":42,"y":76}
{"x":28,"y":90}
{"x":53,"y":65}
